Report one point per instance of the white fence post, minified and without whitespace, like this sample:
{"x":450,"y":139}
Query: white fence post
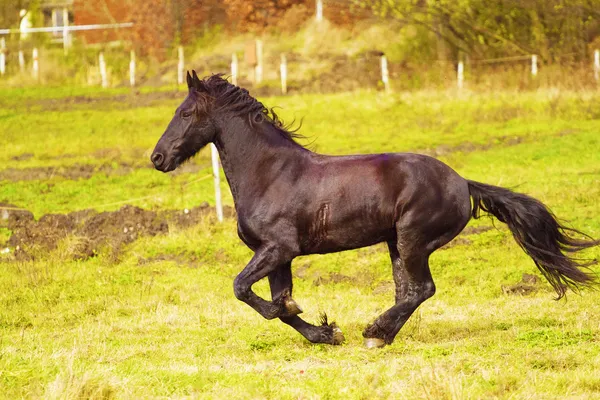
{"x":180,"y":65}
{"x":36,"y":64}
{"x":283,"y":71}
{"x":319,"y":11}
{"x":66,"y":36}
{"x":234,"y":69}
{"x":215,"y":166}
{"x":385,"y":73}
{"x":102,"y":66}
{"x":597,"y":65}
{"x":21,"y":61}
{"x":534,"y":66}
{"x":132,"y":68}
{"x":460,"y":75}
{"x":2,"y":56}
{"x":258,"y":70}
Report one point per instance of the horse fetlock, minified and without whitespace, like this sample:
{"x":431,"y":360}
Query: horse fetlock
{"x":291,"y":307}
{"x":337,"y":336}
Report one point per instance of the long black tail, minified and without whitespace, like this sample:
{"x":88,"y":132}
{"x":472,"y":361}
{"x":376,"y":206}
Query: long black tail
{"x":539,"y":233}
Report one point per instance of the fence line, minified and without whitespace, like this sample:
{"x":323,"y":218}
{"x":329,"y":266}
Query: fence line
{"x":67,"y":28}
{"x":257,"y":66}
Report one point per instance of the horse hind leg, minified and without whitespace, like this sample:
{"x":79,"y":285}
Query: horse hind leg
{"x":280,"y":282}
{"x":414,"y":285}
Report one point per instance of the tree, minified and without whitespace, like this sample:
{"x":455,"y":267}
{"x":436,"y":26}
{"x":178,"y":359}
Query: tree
{"x":495,"y":28}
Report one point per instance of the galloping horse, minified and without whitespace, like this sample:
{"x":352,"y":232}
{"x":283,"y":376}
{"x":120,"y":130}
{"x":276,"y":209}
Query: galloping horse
{"x":291,"y":202}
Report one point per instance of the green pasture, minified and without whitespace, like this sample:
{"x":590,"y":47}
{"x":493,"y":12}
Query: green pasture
{"x":161,"y":321}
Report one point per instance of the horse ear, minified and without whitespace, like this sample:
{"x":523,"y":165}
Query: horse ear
{"x":198,"y":84}
{"x":189,"y":79}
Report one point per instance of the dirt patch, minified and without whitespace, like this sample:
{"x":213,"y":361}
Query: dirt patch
{"x":187,"y":260}
{"x":529,"y":284}
{"x":475,"y":230}
{"x":443,"y":150}
{"x":364,"y":279}
{"x":11,"y":215}
{"x":95,"y":232}
{"x":22,"y":157}
{"x":74,"y":172}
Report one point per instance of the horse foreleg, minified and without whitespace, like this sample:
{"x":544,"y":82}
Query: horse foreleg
{"x":414,"y":285}
{"x":266,"y":260}
{"x":280,"y":281}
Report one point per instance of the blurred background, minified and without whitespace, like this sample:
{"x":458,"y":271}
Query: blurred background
{"x":326,"y":45}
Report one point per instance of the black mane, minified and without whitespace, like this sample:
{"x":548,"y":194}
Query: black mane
{"x":228,"y":97}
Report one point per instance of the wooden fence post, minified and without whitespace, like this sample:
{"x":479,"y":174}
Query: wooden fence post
{"x":534,"y":66}
{"x":21,"y":61}
{"x":36,"y":64}
{"x":234,"y":69}
{"x":597,"y":65}
{"x":2,"y":56}
{"x":385,"y":73}
{"x":283,"y":71}
{"x":319,"y":11}
{"x":132,"y":68}
{"x":215,"y":167}
{"x":102,"y":67}
{"x":258,"y":69}
{"x":460,"y":75}
{"x":180,"y":65}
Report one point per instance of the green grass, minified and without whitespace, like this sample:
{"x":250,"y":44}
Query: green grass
{"x":143,"y":326}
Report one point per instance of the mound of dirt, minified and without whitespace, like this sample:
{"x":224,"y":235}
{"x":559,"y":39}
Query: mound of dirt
{"x":11,"y":215}
{"x":96,"y":232}
{"x":117,"y":228}
{"x":529,"y":284}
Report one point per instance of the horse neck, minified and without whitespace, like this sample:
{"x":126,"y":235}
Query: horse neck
{"x":253,"y":153}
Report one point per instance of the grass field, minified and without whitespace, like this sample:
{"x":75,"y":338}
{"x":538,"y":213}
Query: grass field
{"x":159,"y":319}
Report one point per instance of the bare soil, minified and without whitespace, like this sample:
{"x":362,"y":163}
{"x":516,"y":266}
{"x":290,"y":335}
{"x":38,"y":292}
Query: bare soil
{"x":529,"y":284}
{"x":96,"y":232}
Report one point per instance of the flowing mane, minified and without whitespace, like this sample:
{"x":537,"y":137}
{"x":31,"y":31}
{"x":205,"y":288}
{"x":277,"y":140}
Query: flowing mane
{"x":231,"y":98}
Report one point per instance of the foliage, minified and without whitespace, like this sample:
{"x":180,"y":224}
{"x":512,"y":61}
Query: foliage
{"x":554,"y":29}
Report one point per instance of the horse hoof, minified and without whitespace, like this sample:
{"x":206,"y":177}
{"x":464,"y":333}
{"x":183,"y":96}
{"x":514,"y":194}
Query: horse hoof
{"x":292,"y":307}
{"x":338,"y":336}
{"x":374,"y":343}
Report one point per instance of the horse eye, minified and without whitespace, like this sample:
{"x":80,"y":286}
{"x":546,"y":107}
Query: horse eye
{"x":186,"y":114}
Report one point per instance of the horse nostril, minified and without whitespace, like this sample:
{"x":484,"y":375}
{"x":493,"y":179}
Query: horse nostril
{"x":157,"y":159}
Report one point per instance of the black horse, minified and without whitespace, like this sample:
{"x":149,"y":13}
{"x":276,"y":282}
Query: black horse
{"x":291,"y":201}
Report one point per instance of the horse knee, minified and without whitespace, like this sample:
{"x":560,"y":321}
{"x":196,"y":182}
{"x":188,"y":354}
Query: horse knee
{"x":428,"y":290}
{"x":417,"y":295}
{"x":240,"y":289}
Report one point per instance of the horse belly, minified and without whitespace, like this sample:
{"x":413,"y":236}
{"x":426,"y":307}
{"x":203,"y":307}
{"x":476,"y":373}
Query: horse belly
{"x":337,"y":228}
